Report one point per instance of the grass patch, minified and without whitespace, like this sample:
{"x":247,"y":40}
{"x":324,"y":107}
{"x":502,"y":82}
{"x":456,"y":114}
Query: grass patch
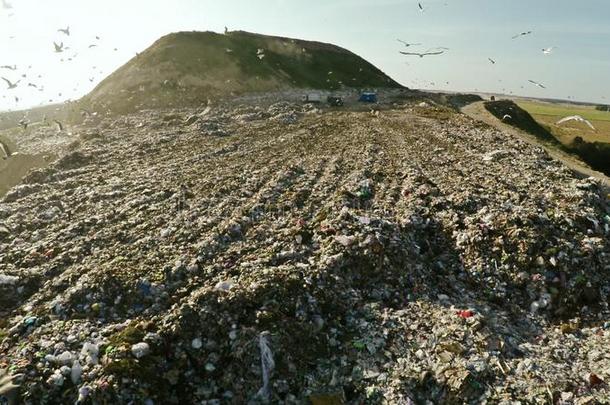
{"x":548,"y":114}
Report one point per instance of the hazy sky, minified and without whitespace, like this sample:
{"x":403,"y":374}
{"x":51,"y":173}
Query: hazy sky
{"x":474,"y":30}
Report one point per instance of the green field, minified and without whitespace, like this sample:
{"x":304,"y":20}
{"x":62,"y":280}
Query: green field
{"x":548,"y":114}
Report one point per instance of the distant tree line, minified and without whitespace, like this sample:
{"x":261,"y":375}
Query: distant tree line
{"x":602,"y":107}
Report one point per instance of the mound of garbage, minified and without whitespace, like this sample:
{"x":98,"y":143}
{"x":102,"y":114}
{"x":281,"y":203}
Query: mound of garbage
{"x":288,"y":254}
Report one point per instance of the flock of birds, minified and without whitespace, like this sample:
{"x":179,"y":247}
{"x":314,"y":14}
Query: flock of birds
{"x":58,"y":48}
{"x":441,"y":50}
{"x":15,"y":77}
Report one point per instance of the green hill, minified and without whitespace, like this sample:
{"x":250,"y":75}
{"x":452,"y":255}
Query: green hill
{"x":186,"y":68}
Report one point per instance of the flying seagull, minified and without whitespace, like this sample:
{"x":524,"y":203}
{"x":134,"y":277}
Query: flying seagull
{"x":493,"y":62}
{"x":10,"y":84}
{"x":507,"y":117}
{"x":406,"y":43}
{"x":522,"y":34}
{"x":32,"y":85}
{"x":92,"y":45}
{"x":58,"y":48}
{"x":537,"y":84}
{"x":421,"y":55}
{"x":14,"y":67}
{"x":548,"y":51}
{"x":421,"y":8}
{"x":65,"y":30}
{"x":575,"y":118}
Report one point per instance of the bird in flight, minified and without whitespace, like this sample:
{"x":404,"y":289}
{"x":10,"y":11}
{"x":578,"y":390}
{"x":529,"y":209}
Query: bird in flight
{"x":421,"y":55}
{"x":58,"y":48}
{"x":548,"y":51}
{"x":522,"y":34}
{"x":406,"y":43}
{"x":32,"y":85}
{"x":537,"y":84}
{"x":14,"y":67}
{"x":493,"y":62}
{"x":421,"y":8}
{"x":507,"y":117}
{"x":92,"y":45}
{"x":10,"y":84}
{"x":576,"y":118}
{"x":65,"y":30}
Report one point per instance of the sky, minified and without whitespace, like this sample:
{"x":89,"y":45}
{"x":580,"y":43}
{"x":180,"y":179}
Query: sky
{"x":473,"y":30}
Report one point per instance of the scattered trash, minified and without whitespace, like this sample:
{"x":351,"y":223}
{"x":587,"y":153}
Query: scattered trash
{"x":388,"y":261}
{"x":465,"y":313}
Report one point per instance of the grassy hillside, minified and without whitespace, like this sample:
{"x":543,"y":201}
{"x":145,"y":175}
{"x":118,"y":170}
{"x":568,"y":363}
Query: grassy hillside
{"x":186,"y":68}
{"x":548,"y":114}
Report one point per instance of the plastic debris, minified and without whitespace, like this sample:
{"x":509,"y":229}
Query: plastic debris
{"x":140,"y":350}
{"x":267,"y":364}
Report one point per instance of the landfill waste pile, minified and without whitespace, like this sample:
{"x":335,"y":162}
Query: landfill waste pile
{"x":300,"y":255}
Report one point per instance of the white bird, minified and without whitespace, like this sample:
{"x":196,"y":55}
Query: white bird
{"x":14,"y":67}
{"x":537,"y":84}
{"x":260,"y":51}
{"x":65,"y":30}
{"x":92,"y":45}
{"x":576,"y":118}
{"x":58,"y":48}
{"x":406,"y":43}
{"x":421,"y":8}
{"x":10,"y":84}
{"x":548,"y":51}
{"x":493,"y":62}
{"x":421,"y":55}
{"x":522,"y":34}
{"x":507,"y":117}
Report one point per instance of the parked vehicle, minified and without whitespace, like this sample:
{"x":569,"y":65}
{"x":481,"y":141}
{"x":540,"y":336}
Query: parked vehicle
{"x":368,"y":97}
{"x":312,"y":98}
